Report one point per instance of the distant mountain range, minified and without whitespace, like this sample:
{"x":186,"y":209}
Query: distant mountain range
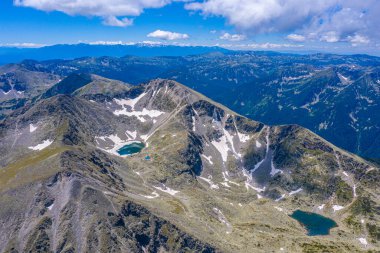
{"x":72,"y":51}
{"x":336,"y":96}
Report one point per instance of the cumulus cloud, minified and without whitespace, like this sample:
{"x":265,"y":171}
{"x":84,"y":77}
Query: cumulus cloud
{"x":296,"y":37}
{"x":109,"y":10}
{"x":330,"y":37}
{"x":358,"y":40}
{"x":324,"y":20}
{"x":114,"y":21}
{"x":351,"y":21}
{"x":232,"y":37}
{"x":167,"y":35}
{"x":261,"y":15}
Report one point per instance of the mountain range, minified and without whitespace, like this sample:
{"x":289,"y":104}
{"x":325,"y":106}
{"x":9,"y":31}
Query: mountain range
{"x":10,"y":54}
{"x":335,"y":96}
{"x":206,"y":180}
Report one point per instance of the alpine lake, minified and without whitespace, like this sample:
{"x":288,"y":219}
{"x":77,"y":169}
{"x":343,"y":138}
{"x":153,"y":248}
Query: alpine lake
{"x":315,"y":224}
{"x":131,"y":148}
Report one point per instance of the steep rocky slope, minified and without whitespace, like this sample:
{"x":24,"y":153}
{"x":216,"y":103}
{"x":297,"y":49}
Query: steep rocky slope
{"x":208,"y":179}
{"x":18,"y":83}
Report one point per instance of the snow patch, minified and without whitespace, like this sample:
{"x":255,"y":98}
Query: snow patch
{"x":249,"y":182}
{"x":295,"y":192}
{"x":279,"y":208}
{"x":225,"y":184}
{"x":133,"y":134}
{"x":209,"y":181}
{"x":51,"y":206}
{"x":166,"y":189}
{"x":258,"y":144}
{"x":229,"y":138}
{"x":369,"y":101}
{"x":363,"y":241}
{"x":6,"y":93}
{"x":280,"y":198}
{"x":273,"y":170}
{"x":321,"y":206}
{"x":258,"y":165}
{"x":129,"y":102}
{"x":337,"y":208}
{"x":344,"y":80}
{"x":153,"y":196}
{"x":42,"y":145}
{"x":323,"y":126}
{"x":243,"y":137}
{"x":223,"y":220}
{"x":222,"y":147}
{"x":32,"y":128}
{"x":139,"y":114}
{"x":354,"y":120}
{"x":208,"y":158}
{"x":266,"y":154}
{"x":226,"y":180}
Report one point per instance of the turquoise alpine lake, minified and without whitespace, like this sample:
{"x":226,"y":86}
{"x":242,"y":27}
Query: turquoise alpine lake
{"x":315,"y":224}
{"x":131,"y":148}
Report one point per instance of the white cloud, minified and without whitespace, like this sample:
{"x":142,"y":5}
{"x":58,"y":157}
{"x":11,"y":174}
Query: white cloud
{"x":109,"y":10}
{"x":261,"y":15}
{"x":358,"y":39}
{"x":322,"y":20}
{"x":23,"y":45}
{"x":102,"y":8}
{"x":296,"y":37}
{"x":114,"y":21}
{"x":330,"y":37}
{"x":326,"y":20}
{"x":232,"y":37}
{"x":166,"y":35}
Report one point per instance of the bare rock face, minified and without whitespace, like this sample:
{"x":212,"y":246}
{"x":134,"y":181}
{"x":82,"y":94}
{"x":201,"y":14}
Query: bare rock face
{"x":207,"y":179}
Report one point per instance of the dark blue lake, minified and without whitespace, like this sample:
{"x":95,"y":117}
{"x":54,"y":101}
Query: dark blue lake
{"x":131,"y":148}
{"x":315,"y":224}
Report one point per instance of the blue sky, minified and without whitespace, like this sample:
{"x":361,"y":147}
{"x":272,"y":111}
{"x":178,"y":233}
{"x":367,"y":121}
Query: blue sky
{"x":284,"y":25}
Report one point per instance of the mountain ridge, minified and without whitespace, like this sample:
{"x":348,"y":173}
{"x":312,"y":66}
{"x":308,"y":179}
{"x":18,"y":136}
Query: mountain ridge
{"x":72,"y":51}
{"x":334,"y":96}
{"x":200,"y":178}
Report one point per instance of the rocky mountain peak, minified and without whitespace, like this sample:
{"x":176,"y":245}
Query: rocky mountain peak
{"x":193,"y":166}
